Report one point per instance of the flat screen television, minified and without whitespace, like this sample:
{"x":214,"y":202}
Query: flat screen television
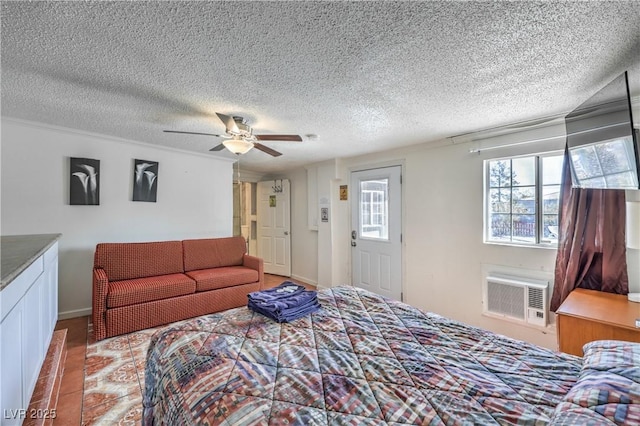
{"x":603,"y":146}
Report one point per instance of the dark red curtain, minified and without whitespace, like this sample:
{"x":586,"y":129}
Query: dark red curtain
{"x":591,"y":240}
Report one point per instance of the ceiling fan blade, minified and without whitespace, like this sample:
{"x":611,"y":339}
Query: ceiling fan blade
{"x":266,"y":149}
{"x":217,"y":148}
{"x":229,"y":123}
{"x":286,"y":138}
{"x":192,"y":133}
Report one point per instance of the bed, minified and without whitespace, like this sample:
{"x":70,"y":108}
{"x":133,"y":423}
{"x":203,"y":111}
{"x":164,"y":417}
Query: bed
{"x":366,"y":360}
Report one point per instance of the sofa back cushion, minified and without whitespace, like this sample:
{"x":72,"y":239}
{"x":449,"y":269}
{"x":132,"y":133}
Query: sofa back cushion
{"x":213,"y":253}
{"x":124,"y":261}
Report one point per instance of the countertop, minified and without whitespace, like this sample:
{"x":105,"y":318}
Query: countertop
{"x":17,"y":252}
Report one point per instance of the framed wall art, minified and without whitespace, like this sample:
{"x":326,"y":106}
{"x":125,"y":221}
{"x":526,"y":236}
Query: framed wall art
{"x":84,"y":182}
{"x":145,"y":180}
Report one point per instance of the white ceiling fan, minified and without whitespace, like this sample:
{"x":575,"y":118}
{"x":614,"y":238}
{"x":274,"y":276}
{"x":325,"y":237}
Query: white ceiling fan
{"x":241,"y":138}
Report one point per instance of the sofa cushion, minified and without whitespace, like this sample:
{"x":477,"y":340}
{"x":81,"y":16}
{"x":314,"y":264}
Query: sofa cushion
{"x":228,"y":276}
{"x":125,"y":261}
{"x":140,"y":290}
{"x":213,"y":253}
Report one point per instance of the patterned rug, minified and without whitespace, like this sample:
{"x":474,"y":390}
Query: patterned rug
{"x":113,"y":379}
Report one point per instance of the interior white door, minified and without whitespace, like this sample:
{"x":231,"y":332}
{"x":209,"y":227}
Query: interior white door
{"x":273,"y":226}
{"x":376,"y":240}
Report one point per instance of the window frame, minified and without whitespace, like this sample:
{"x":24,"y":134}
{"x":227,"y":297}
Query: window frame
{"x":540,"y":241}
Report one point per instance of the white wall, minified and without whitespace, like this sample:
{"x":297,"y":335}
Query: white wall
{"x":326,"y":174}
{"x":304,"y":242}
{"x":194,"y":198}
{"x":444,"y":253}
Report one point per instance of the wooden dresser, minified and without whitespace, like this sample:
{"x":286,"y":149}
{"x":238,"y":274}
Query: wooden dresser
{"x":588,"y":315}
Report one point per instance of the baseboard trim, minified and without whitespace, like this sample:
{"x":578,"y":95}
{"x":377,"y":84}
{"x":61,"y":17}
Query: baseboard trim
{"x":74,"y":314}
{"x":304,"y":279}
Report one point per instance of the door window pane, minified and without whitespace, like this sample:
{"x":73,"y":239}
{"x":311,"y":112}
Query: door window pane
{"x":374,"y":208}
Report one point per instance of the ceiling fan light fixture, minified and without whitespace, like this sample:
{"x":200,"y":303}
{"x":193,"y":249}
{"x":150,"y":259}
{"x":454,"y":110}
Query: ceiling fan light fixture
{"x":238,"y":146}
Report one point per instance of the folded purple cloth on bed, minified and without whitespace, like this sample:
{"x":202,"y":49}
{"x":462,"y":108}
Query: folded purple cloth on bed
{"x":299,"y":312}
{"x":287,"y":315}
{"x":288,"y":305}
{"x":283,"y":291}
{"x":284,"y":303}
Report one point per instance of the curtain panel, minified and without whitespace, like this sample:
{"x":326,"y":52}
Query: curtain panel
{"x":591,"y":240}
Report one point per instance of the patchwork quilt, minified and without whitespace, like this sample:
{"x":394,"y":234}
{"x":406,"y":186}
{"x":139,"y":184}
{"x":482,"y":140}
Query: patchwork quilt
{"x":360,"y":360}
{"x":608,"y":390}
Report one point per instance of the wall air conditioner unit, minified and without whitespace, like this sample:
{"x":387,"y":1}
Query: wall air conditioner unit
{"x":521,"y":299}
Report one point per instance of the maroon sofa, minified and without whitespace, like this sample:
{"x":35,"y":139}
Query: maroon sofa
{"x":144,"y":285}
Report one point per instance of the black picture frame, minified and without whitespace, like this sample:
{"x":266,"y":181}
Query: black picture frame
{"x":145,"y":180}
{"x":84,"y":181}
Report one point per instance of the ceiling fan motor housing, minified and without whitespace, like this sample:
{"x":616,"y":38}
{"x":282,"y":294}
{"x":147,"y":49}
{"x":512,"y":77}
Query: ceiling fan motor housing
{"x":245,"y":129}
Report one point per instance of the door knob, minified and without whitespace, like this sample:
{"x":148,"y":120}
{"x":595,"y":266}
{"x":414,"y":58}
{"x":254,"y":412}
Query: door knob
{"x":353,"y":244}
{"x":286,"y":232}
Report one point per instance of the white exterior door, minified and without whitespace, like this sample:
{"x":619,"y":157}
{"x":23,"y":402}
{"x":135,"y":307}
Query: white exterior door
{"x":376,"y":216}
{"x":273,"y":226}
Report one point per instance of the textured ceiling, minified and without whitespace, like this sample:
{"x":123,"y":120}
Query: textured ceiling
{"x":364,"y":76}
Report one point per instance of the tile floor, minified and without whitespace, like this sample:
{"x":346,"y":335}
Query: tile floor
{"x":103,"y":381}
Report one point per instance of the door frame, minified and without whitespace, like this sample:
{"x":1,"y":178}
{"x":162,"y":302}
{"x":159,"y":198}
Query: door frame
{"x":403,"y":212}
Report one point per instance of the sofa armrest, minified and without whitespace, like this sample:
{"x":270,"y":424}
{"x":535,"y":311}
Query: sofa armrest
{"x":256,"y":263}
{"x":100,"y":289}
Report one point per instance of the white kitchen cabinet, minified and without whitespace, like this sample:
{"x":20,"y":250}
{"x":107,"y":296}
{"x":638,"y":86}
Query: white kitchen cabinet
{"x":28,"y":314}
